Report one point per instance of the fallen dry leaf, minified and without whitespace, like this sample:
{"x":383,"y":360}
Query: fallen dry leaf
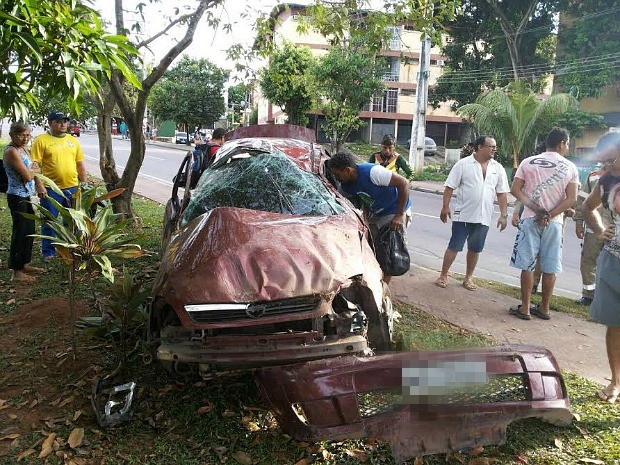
{"x":482,"y":461}
{"x":418,"y":461}
{"x":48,"y":445}
{"x":10,"y":301}
{"x":583,"y":432}
{"x":301,"y":462}
{"x":459,"y":457}
{"x":220,"y":451}
{"x":358,"y":454}
{"x":10,"y":436}
{"x":587,"y":460}
{"x":204,"y":409}
{"x":476,"y":451}
{"x":25,"y":454}
{"x":66,"y":401}
{"x":229,"y":414}
{"x":242,"y":457}
{"x":76,"y":415}
{"x":76,"y":437}
{"x":558,"y":443}
{"x":521,"y":459}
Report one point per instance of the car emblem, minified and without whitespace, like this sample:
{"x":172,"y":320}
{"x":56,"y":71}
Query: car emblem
{"x":256,"y":311}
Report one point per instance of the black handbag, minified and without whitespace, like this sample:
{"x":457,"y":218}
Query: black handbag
{"x":392,"y":253}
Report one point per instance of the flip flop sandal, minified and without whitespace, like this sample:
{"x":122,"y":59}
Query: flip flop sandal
{"x":516,"y":311}
{"x":536,"y":312}
{"x":441,"y":282}
{"x":470,"y":286}
{"x":609,"y":398}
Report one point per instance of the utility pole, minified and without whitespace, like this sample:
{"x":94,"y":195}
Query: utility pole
{"x":418,"y":127}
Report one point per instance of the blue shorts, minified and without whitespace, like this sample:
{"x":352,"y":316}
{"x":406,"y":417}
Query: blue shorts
{"x":533,"y":242}
{"x":475,"y":233}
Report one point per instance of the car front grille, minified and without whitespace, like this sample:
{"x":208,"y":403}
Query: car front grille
{"x":258,"y":310}
{"x":499,"y":389}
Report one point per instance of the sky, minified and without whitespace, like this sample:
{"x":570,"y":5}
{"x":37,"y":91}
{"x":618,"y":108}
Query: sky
{"x":207,"y":42}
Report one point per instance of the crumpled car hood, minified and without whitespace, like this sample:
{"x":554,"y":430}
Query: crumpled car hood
{"x":239,"y":255}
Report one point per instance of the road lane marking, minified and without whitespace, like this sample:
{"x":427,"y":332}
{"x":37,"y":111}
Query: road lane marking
{"x":148,"y":176}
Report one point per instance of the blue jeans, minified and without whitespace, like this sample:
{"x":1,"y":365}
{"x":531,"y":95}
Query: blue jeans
{"x":47,"y":249}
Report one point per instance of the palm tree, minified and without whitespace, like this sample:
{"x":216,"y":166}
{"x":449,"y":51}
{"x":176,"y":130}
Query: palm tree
{"x":516,"y":116}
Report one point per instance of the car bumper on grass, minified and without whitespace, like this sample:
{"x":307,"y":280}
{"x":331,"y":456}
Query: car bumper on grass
{"x":419,"y":402}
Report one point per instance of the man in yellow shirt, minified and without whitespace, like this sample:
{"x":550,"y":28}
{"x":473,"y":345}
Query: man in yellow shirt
{"x":61,"y":159}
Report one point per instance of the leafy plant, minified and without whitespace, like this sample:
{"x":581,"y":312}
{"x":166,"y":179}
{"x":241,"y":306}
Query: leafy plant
{"x":125,"y":314}
{"x":516,"y":117}
{"x":86,"y":237}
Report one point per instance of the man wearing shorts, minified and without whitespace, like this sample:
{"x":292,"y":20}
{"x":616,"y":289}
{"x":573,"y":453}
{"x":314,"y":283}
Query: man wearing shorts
{"x":547,"y":185}
{"x":387,"y":193}
{"x":477,"y":179}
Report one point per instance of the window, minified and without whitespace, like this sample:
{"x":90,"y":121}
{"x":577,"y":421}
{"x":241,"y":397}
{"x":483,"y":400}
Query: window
{"x":385,"y":102}
{"x":407,"y":92}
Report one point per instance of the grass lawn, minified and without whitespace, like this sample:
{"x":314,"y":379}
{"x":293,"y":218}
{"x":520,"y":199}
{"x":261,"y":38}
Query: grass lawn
{"x":44,"y":394}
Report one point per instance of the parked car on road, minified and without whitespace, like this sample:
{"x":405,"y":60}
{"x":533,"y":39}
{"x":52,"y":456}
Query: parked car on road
{"x":181,"y":137}
{"x":430,"y":147}
{"x":74,"y":128}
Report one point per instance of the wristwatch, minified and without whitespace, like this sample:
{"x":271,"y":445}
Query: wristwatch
{"x":505,"y":215}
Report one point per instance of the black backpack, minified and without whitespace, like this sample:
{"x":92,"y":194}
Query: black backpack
{"x":202,"y":160}
{"x":4,"y":179}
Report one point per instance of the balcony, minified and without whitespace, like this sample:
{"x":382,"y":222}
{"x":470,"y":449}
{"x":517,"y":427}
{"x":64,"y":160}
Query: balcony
{"x":391,"y":77}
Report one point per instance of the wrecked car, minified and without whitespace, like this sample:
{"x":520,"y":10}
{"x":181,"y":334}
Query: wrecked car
{"x":264,"y":262}
{"x":267,"y":267}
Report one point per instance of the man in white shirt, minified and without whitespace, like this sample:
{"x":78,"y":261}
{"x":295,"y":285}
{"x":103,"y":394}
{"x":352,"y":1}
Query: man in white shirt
{"x":477,"y":179}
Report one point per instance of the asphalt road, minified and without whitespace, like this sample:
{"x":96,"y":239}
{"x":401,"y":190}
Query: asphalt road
{"x":428,"y":236}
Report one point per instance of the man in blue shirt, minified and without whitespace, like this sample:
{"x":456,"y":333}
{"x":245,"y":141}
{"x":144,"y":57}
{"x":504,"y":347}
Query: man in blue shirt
{"x":387,"y":193}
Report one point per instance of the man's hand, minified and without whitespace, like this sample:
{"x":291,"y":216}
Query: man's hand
{"x":502,"y":222}
{"x":580,"y":230}
{"x":397,"y":221}
{"x":42,"y":193}
{"x":542,"y":219}
{"x":569,"y":213}
{"x":609,"y":233}
{"x":515,"y":219}
{"x":445,"y":214}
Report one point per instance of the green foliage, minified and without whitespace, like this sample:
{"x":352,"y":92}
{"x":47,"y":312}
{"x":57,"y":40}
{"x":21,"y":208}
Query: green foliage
{"x":86,"y":241}
{"x":344,"y":80}
{"x":437,"y":173}
{"x":58,"y":47}
{"x":589,"y":47}
{"x":284,"y":81}
{"x":190,"y":93}
{"x":477,"y":55}
{"x":516,"y":117}
{"x":576,"y":120}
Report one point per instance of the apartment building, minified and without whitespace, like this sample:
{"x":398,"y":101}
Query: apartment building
{"x":608,"y":106}
{"x":391,"y":112}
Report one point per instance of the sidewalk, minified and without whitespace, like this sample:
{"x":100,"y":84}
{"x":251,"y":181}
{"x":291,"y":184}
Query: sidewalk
{"x":577,"y":344}
{"x":436,"y":187}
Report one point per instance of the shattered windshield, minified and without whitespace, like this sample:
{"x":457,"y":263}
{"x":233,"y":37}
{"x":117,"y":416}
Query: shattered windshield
{"x":269,"y":182}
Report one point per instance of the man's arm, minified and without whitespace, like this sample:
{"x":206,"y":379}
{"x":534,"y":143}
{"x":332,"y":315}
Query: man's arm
{"x":517,"y":191}
{"x":445,"y":206}
{"x":81,"y":170}
{"x":568,"y":202}
{"x":403,"y":165}
{"x":502,"y":200}
{"x":402,"y":187}
{"x":593,"y":217}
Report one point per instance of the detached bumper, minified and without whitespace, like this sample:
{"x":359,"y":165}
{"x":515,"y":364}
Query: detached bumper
{"x":352,"y":397}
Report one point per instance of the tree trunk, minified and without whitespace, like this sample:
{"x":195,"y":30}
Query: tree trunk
{"x":107,"y":165}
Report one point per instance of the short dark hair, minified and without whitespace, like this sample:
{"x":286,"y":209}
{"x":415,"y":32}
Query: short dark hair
{"x":609,"y":141}
{"x":556,"y":135}
{"x":387,"y":140}
{"x":18,"y":127}
{"x":481,"y":140}
{"x":218,"y":133}
{"x":342,"y":160}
